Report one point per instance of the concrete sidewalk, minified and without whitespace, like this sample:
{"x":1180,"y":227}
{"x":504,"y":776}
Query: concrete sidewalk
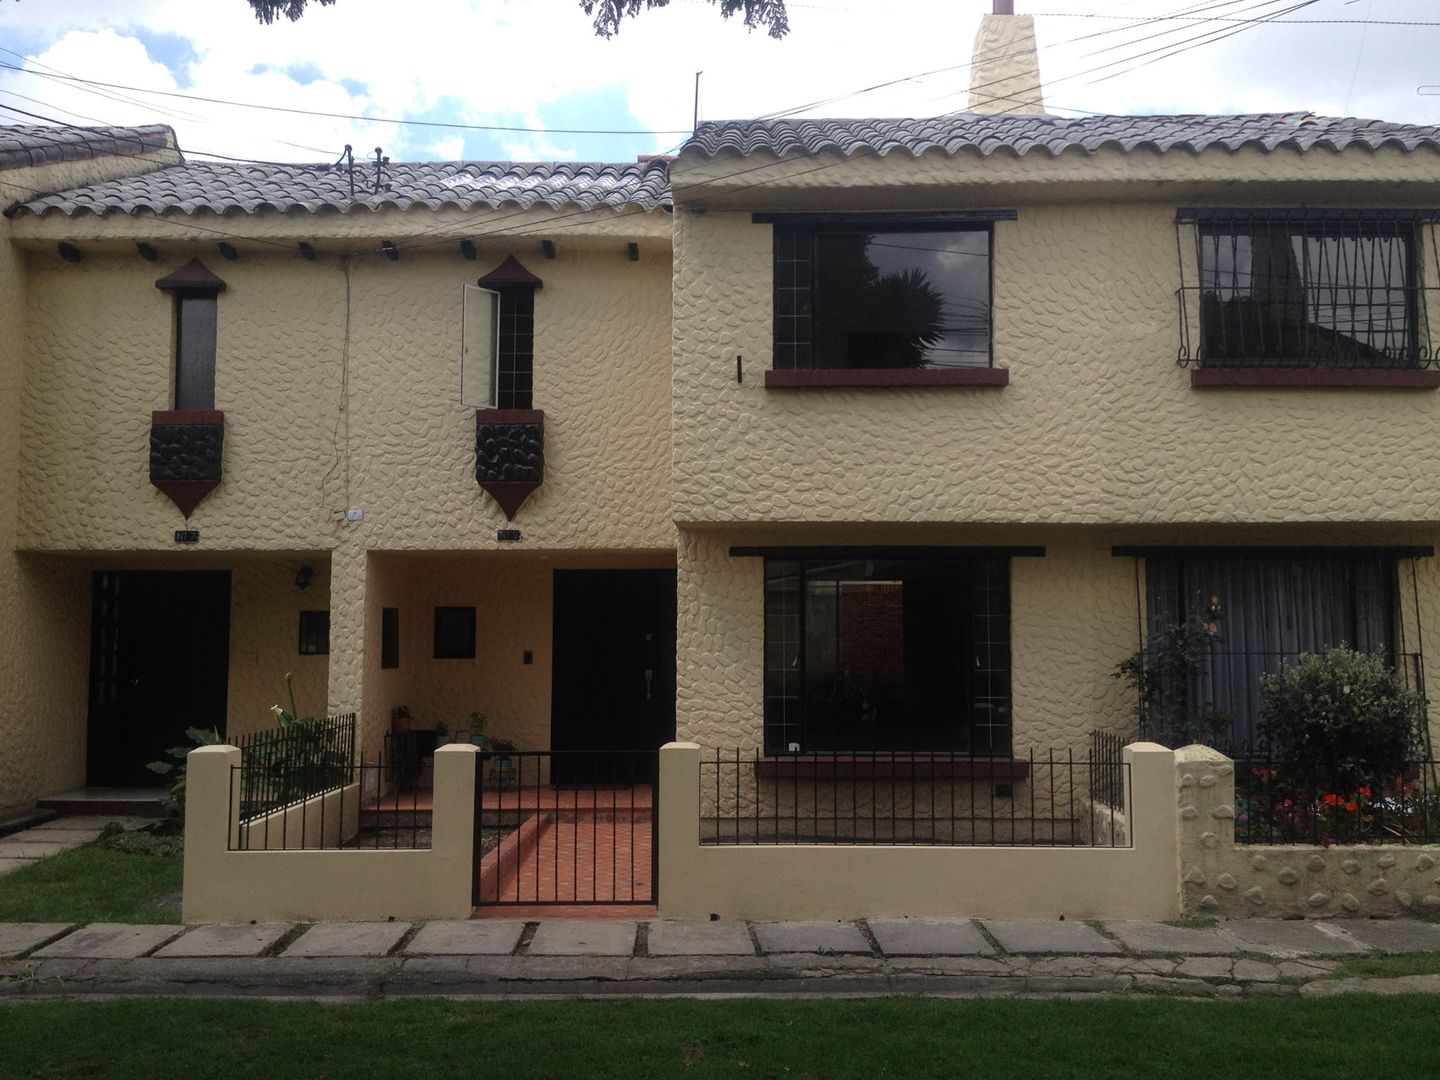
{"x":496,"y":958}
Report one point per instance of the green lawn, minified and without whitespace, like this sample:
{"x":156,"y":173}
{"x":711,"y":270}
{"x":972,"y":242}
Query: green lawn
{"x":899,"y":1037}
{"x":91,"y":884}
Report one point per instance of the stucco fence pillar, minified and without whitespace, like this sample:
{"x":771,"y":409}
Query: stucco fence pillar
{"x":840,"y":881}
{"x":224,"y":885}
{"x":1221,"y":877}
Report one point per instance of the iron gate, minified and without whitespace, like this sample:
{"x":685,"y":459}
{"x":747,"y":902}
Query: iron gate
{"x":566,"y":827}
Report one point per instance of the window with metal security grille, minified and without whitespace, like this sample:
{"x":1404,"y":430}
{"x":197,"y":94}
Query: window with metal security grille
{"x":389,"y":637}
{"x":1265,"y":611}
{"x":454,"y":633}
{"x":887,"y":292}
{"x":1307,"y":289}
{"x":314,"y":633}
{"x":196,"y":316}
{"x":905,"y":654}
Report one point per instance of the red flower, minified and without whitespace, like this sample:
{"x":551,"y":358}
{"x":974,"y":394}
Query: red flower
{"x":1352,"y":807}
{"x":1364,"y":793}
{"x":1332,"y":800}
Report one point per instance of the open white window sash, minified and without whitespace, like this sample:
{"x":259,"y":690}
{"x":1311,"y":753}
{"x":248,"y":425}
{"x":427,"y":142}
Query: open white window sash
{"x":479,"y":347}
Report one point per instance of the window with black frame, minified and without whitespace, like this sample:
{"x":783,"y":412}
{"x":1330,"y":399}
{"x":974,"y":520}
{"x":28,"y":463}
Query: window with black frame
{"x":1261,"y":613}
{"x":882,"y":295}
{"x":903,"y":654}
{"x":1326,"y":289}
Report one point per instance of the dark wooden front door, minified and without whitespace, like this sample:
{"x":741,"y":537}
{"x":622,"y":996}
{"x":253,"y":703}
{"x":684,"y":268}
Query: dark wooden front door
{"x":614,"y":671}
{"x":159,"y":661}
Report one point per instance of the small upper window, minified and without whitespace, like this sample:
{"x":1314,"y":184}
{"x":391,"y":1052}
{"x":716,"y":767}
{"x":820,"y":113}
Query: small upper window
{"x":1319,"y":289}
{"x":497,"y":362}
{"x":893,"y":293}
{"x":454,"y":633}
{"x":314,"y":633}
{"x":197,"y":293}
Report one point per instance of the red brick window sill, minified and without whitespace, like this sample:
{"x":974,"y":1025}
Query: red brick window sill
{"x":1301,"y":378}
{"x":882,"y":766}
{"x":824,"y":378}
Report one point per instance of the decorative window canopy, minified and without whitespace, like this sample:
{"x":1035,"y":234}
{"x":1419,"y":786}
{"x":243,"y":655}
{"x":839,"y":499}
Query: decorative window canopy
{"x":194,"y":276}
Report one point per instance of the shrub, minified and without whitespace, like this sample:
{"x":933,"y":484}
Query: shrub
{"x":1164,"y":679}
{"x":1341,"y":716}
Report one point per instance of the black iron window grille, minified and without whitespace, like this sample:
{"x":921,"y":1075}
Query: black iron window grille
{"x":886,"y":653}
{"x":515,"y":349}
{"x":314,"y":633}
{"x":882,"y":291}
{"x":1306,"y":289}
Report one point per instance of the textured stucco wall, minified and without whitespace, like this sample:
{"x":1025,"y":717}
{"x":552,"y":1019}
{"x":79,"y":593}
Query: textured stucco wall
{"x":1098,"y":424}
{"x":265,"y":611}
{"x":44,"y":606}
{"x":1221,"y":877}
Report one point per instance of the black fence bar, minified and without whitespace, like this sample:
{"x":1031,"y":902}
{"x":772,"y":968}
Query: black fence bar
{"x":565,"y":827}
{"x":284,"y":764}
{"x":326,"y":806}
{"x":1279,"y":800}
{"x":920,"y":799}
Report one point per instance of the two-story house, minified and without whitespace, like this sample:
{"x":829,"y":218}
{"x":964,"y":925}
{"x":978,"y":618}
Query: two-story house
{"x":828,"y":435}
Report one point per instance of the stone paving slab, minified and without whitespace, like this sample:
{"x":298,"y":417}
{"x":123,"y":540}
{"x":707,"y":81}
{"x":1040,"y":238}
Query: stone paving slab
{"x":11,"y":848}
{"x":467,"y":937}
{"x":811,"y":937}
{"x":242,"y":940}
{"x":110,"y":941}
{"x":1404,"y":984}
{"x":9,"y":866}
{"x":584,"y":937}
{"x":18,"y":938}
{"x":348,"y":939}
{"x":1070,"y":938}
{"x":1393,"y":935}
{"x":42,"y":835}
{"x":83,"y":822}
{"x":697,"y":937}
{"x":1289,"y":938}
{"x":1151,"y":938}
{"x":928,"y":937}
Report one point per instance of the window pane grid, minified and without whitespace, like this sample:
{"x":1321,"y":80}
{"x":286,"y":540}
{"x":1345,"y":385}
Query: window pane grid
{"x":515,"y":349}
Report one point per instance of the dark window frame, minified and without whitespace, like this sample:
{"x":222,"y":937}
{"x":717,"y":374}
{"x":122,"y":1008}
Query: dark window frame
{"x":450,"y":621}
{"x":787,"y":278}
{"x":314,"y":633}
{"x":1344,"y":300}
{"x":790,"y":716}
{"x":389,"y":638}
{"x":515,"y":347}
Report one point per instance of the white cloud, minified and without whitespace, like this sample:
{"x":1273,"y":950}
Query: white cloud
{"x":504,"y":62}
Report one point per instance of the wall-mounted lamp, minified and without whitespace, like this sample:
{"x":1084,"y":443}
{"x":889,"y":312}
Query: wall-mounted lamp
{"x":307,"y":252}
{"x":547,"y":248}
{"x":632,"y":252}
{"x":148,"y":253}
{"x":228,"y":250}
{"x":391,"y":251}
{"x":467,"y":248}
{"x":303,"y":577}
{"x":69,"y":252}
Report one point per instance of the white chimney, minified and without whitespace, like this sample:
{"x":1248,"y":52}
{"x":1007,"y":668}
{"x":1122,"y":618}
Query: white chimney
{"x":1005,"y":66}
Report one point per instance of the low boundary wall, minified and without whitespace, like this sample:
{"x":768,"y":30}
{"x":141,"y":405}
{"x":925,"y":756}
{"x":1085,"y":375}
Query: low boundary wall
{"x":224,"y":885}
{"x":1221,"y":877}
{"x":826,"y":881}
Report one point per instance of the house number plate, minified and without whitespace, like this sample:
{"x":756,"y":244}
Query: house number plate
{"x":187,"y":536}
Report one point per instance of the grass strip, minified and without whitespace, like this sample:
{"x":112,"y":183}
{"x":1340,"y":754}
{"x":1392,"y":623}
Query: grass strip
{"x":899,"y":1037}
{"x":92,"y":884}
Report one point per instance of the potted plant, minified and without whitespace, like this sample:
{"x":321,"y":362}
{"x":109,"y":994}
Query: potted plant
{"x":442,"y":733}
{"x":478,"y":722}
{"x":502,"y":763}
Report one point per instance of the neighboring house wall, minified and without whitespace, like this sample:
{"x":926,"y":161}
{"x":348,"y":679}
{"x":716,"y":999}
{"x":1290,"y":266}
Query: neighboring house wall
{"x":44,"y":610}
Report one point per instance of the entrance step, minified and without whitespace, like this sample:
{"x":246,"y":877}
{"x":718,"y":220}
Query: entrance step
{"x":122,"y":802}
{"x":25,"y":819}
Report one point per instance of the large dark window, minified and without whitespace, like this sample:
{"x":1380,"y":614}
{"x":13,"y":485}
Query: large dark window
{"x":852,"y":295}
{"x":195,"y":325}
{"x":1321,"y":289}
{"x":887,"y":654}
{"x":454,"y":633}
{"x":515,"y":349}
{"x":1266,"y":612}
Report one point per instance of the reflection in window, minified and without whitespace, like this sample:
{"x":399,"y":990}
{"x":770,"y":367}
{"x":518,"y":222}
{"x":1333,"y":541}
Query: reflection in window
{"x":852,"y":298}
{"x":887,"y":654}
{"x":1329,"y":293}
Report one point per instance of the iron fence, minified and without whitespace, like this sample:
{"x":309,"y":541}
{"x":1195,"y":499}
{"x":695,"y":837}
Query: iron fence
{"x":356,"y":805}
{"x":922,"y":798}
{"x":285,"y":764}
{"x":1279,"y":800}
{"x":565,"y":827}
{"x":1107,"y":772}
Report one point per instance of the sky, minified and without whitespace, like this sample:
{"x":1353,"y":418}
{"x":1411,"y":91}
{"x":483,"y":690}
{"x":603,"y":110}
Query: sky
{"x":537,"y":64}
